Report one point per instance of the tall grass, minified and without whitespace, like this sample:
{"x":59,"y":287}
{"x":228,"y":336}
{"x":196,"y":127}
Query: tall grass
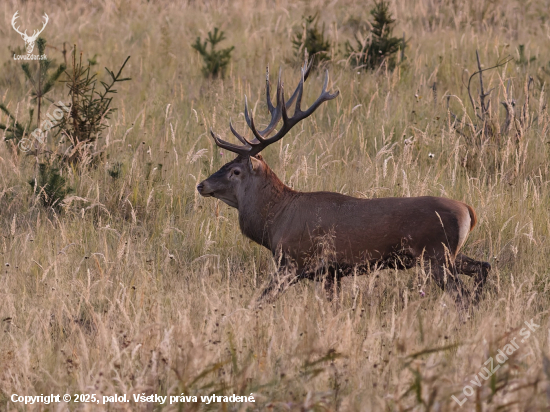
{"x":142,"y":286}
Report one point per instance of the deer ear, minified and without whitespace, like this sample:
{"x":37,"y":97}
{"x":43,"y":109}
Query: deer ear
{"x":255,"y":164}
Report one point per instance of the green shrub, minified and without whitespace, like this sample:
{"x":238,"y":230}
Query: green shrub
{"x":42,"y":81}
{"x":50,"y":186}
{"x":16,"y":130}
{"x":311,"y":39}
{"x":379,"y":47}
{"x":215,"y":61}
{"x":90,"y":108}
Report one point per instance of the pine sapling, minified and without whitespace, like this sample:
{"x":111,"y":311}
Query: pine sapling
{"x":50,"y":186}
{"x":215,"y":61}
{"x":379,"y":47}
{"x":90,"y":105}
{"x":42,"y":81}
{"x":311,"y":39}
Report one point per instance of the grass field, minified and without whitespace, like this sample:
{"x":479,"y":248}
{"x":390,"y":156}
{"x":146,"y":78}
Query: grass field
{"x":140,"y":286}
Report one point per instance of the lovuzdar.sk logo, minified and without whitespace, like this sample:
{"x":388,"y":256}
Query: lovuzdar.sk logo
{"x":29,"y":40}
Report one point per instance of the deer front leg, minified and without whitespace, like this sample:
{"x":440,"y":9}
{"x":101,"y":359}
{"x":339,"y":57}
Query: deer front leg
{"x":332,"y":282}
{"x":280,"y":281}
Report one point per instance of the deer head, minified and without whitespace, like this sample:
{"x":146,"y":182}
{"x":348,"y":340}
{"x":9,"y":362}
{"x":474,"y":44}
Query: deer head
{"x":248,"y":170}
{"x":29,"y":40}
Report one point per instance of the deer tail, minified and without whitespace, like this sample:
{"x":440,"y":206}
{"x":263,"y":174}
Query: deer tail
{"x":473,"y":217}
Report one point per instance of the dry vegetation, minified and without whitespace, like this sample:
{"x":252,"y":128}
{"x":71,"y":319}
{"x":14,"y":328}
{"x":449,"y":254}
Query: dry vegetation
{"x":141,"y":286}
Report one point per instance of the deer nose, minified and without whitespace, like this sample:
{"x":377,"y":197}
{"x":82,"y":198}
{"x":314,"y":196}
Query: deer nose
{"x":200,"y":186}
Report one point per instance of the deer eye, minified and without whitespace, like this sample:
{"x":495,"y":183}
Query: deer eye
{"x":236,"y":172}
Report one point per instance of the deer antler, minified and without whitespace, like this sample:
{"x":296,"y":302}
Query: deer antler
{"x":261,"y":141}
{"x":14,"y":18}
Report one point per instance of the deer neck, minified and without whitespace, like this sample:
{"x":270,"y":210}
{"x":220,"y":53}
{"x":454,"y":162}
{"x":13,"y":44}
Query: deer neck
{"x":261,"y":205}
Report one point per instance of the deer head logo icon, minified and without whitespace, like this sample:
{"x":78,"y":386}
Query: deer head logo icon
{"x":29,"y":40}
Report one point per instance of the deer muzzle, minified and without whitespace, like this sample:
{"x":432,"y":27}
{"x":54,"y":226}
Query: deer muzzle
{"x":203,"y":191}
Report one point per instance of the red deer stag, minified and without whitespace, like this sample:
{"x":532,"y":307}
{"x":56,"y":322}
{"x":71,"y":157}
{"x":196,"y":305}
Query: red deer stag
{"x":360,"y":234}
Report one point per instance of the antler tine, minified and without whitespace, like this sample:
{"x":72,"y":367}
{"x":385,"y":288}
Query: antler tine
{"x":268,"y":98}
{"x":300,"y":90}
{"x":240,"y":150}
{"x":288,"y":123}
{"x":306,"y":69}
{"x":274,"y":111}
{"x":284,"y":112}
{"x":268,"y":92}
{"x":259,"y":138}
{"x":325,"y":96}
{"x":246,"y":115}
{"x":260,"y":142}
{"x":250,"y":123}
{"x":242,"y":139}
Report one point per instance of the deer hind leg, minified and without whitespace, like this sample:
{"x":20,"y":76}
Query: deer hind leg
{"x":474,"y":268}
{"x":447,"y":279}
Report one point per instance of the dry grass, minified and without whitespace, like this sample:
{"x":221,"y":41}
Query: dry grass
{"x":142,"y":286}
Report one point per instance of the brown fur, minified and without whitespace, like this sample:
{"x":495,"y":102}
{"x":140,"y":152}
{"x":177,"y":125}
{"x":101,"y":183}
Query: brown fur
{"x":473,"y":216}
